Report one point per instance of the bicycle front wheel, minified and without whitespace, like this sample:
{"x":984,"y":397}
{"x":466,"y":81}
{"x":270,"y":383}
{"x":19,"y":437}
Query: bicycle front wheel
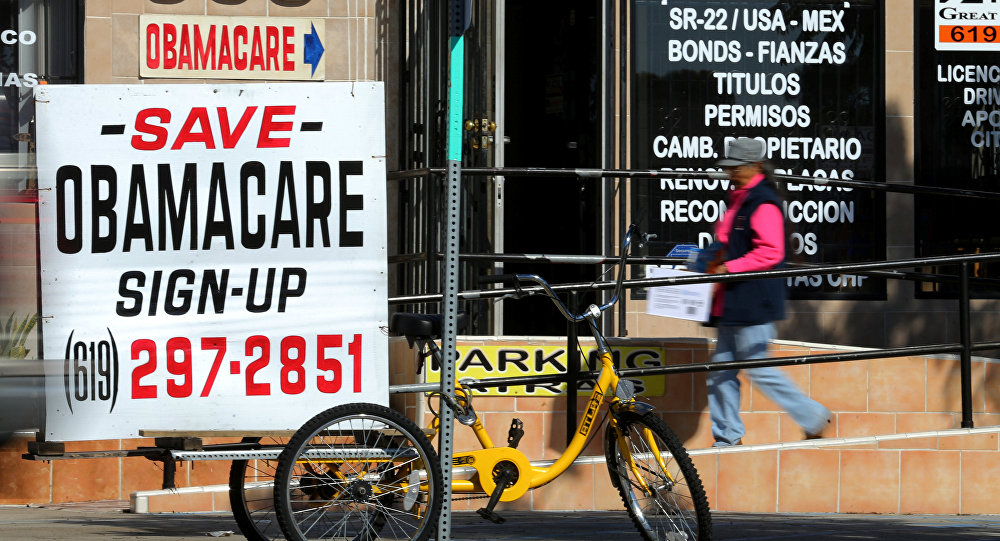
{"x":358,"y":472}
{"x":657,"y":481}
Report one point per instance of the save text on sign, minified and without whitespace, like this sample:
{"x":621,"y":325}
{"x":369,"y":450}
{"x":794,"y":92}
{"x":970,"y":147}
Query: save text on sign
{"x":125,"y":222}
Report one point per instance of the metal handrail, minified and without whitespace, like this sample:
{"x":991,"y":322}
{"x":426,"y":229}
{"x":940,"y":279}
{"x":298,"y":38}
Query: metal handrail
{"x":664,"y":260}
{"x":964,"y":348}
{"x":856,"y":268}
{"x":661,"y":173}
{"x":907,"y":351}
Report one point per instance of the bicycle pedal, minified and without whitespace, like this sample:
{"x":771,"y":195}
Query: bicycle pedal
{"x":505,"y":475}
{"x":490,"y":516}
{"x":515,"y":433}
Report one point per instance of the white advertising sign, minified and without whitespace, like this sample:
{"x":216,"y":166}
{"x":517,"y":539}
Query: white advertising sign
{"x":683,"y":301}
{"x":213,"y":257}
{"x":194,"y":46}
{"x":964,"y":25}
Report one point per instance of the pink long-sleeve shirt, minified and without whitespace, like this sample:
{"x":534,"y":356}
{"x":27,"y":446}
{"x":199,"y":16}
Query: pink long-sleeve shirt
{"x":768,"y":242}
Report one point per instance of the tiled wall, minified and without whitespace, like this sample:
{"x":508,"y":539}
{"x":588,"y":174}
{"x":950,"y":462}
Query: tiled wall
{"x":887,"y":396}
{"x":90,"y":479}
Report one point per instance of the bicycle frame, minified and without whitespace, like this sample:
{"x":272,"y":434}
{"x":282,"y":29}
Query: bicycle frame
{"x":484,"y":460}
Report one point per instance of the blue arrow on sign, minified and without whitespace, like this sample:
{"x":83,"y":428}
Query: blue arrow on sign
{"x":313,"y":49}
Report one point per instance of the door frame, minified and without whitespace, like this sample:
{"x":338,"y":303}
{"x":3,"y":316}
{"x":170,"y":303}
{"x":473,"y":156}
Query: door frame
{"x":500,"y":68}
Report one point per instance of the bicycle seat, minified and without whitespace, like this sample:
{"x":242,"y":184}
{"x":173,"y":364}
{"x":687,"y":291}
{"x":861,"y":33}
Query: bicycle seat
{"x":421,"y":326}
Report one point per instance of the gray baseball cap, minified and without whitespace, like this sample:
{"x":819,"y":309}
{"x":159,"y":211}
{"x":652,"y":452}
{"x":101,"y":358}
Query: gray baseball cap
{"x":742,"y":151}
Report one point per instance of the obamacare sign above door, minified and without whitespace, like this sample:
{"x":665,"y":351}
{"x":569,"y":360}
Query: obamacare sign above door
{"x":272,"y":48}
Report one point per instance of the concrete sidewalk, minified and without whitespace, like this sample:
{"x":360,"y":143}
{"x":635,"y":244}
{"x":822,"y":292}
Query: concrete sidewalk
{"x":107,"y":521}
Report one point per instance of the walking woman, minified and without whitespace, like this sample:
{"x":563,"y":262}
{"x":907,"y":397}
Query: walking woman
{"x":751,"y":237}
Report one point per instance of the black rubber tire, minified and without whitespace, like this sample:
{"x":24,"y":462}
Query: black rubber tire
{"x":250,"y":498}
{"x":365,"y":497}
{"x":677,"y":510}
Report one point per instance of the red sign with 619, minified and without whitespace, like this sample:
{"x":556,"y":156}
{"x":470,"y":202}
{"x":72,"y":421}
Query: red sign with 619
{"x":184,"y":367}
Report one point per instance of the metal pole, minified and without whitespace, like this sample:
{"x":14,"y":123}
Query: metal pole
{"x":623,"y":100}
{"x":966,"y":339}
{"x":572,"y":369}
{"x":453,"y":211}
{"x":449,"y":350}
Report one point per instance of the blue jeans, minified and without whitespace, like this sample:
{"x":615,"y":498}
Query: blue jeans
{"x":744,"y":343}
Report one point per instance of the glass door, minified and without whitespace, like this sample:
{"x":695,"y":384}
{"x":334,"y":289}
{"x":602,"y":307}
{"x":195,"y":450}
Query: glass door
{"x":415,"y":264}
{"x":533,"y":95}
{"x":552,"y":94}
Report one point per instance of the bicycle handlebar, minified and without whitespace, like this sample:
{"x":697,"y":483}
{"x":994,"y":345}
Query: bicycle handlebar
{"x":592,"y":311}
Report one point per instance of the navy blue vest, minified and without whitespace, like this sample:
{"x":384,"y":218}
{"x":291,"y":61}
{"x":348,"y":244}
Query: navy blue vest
{"x":752,"y":302}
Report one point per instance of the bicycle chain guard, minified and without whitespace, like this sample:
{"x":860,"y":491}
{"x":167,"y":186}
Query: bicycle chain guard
{"x":486,"y":460}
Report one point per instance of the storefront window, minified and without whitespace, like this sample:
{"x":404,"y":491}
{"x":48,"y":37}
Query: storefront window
{"x":39,"y":44}
{"x":806,"y":78}
{"x":958,"y":136}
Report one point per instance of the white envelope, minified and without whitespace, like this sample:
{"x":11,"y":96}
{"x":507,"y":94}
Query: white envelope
{"x":684,"y":301}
